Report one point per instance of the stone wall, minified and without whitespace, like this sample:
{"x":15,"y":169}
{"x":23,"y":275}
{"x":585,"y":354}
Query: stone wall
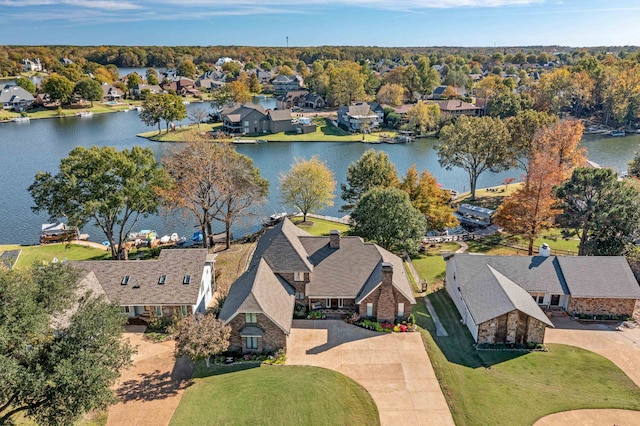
{"x":535,"y":331}
{"x":603,"y":306}
{"x":272,"y":340}
{"x":488,"y":330}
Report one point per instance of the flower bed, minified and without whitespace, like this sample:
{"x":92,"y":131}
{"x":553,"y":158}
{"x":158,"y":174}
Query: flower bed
{"x":383,"y":327}
{"x":591,"y":317}
{"x":316,"y":315}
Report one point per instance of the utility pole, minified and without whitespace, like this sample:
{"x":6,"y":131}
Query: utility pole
{"x":287,"y":42}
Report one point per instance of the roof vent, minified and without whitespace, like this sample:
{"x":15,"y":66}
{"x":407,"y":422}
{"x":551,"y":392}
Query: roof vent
{"x":162,"y":279}
{"x":186,"y":279}
{"x":544,"y":250}
{"x":125,"y":280}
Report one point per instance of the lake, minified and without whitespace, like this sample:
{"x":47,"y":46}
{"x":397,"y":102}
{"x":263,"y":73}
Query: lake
{"x":26,"y":148}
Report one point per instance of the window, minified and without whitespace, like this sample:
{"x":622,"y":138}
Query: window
{"x":340,"y":303}
{"x":126,"y":310}
{"x":299,"y":295}
{"x":298,"y":276}
{"x":327,"y":303}
{"x":369,"y":309}
{"x":538,"y":297}
{"x":252,"y":342}
{"x":246,"y":123}
{"x":162,"y":279}
{"x":251,"y":317}
{"x":186,"y":279}
{"x":400,"y":310}
{"x":158,"y":311}
{"x":125,"y":280}
{"x":184,"y":310}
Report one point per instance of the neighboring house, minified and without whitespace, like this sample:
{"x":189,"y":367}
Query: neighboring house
{"x":153,"y":89}
{"x":335,"y":275}
{"x":285,"y":83}
{"x":264,"y":77}
{"x":454,"y":107}
{"x":179,"y":282}
{"x":66,"y":61}
{"x":29,"y":65}
{"x":111,"y":93}
{"x":299,"y":98}
{"x":359,"y":117}
{"x":178,"y":85}
{"x":252,"y":119}
{"x":280,"y":121}
{"x":15,"y":97}
{"x":209,"y":84}
{"x":501,"y":298}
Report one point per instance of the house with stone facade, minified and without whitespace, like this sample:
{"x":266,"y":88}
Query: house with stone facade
{"x":334,"y":275}
{"x":179,"y":282}
{"x":505,"y":299}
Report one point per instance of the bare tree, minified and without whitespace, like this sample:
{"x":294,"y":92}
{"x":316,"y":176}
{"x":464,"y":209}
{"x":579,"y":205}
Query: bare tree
{"x":198,"y":115}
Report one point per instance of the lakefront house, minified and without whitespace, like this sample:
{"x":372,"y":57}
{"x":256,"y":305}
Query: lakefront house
{"x":335,"y":275}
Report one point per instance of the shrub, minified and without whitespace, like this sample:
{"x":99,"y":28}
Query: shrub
{"x":315,"y":315}
{"x":412,"y":319}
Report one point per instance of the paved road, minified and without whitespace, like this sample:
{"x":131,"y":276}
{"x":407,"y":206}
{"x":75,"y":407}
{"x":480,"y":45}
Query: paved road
{"x":393,"y":367}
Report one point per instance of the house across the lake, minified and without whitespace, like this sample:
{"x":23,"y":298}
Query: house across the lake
{"x":334,"y":275}
{"x":179,"y":282}
{"x":15,"y":97}
{"x":505,"y":299}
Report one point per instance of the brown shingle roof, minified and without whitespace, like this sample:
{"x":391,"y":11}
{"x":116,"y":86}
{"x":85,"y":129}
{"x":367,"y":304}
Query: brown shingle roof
{"x":281,"y":248}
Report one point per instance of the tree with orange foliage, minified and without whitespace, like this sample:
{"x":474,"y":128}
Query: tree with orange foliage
{"x":530,"y":210}
{"x":561,"y":142}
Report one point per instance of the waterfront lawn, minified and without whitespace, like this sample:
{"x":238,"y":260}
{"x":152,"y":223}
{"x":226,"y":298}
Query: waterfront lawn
{"x":320,"y":226}
{"x":430,"y":267}
{"x":276,"y":395}
{"x":488,"y":199}
{"x":325,"y":132}
{"x":498,"y":244}
{"x":30,"y":254}
{"x":181,"y":134}
{"x":517,"y":388}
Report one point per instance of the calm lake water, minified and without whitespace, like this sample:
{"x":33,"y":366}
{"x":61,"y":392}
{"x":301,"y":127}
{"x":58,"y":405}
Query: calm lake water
{"x":26,"y":148}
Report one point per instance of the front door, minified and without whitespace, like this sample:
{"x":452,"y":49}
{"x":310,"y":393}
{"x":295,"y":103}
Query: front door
{"x":555,"y":299}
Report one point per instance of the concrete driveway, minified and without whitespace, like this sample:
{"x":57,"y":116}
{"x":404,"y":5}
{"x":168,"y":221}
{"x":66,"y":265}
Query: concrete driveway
{"x":620,"y":345}
{"x":150,"y":390}
{"x":393,"y":367}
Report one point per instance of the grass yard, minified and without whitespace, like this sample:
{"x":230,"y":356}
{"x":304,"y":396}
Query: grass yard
{"x":430,"y":267}
{"x":181,"y":134}
{"x":517,"y":388}
{"x":497,"y":244}
{"x":30,"y":254}
{"x":488,"y":199}
{"x":274,"y":395}
{"x":321,"y":226}
{"x":231,"y":263}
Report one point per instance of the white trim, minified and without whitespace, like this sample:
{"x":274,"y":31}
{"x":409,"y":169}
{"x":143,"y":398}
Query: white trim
{"x":158,"y":310}
{"x":251,"y":338}
{"x":327,"y":303}
{"x":400,"y":312}
{"x":372,"y":290}
{"x":340,"y":302}
{"x":369,"y":305}
{"x":263,"y":313}
{"x":184,"y":311}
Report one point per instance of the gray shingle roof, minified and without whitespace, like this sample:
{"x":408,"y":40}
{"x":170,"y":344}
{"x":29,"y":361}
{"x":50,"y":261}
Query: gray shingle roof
{"x":599,"y":276}
{"x":280,"y":246}
{"x":251,"y":331}
{"x":13,"y":93}
{"x":260,"y":290}
{"x":280,"y":115}
{"x":175,"y":264}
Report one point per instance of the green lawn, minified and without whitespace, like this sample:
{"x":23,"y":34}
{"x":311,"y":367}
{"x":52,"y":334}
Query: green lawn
{"x":495,"y":244}
{"x":321,"y":226}
{"x":182,"y":134}
{"x":30,"y":254}
{"x":274,"y":395}
{"x":488,"y":199}
{"x":517,"y":388}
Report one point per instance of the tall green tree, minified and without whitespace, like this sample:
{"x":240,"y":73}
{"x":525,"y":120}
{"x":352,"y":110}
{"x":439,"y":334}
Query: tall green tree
{"x":133,"y":80}
{"x":55,"y":378}
{"x":254,"y":84}
{"x":423,"y":117}
{"x":347,"y":84}
{"x":152,"y":76}
{"x":634,"y":166}
{"x":106,"y":187}
{"x":523,"y":129}
{"x":26,"y":84}
{"x":152,"y":111}
{"x":186,"y":68}
{"x":602,"y":211}
{"x":387,"y":217}
{"x":89,"y":90}
{"x":475,"y":144}
{"x":309,"y":185}
{"x":173,"y":108}
{"x":59,"y":88}
{"x":372,"y":169}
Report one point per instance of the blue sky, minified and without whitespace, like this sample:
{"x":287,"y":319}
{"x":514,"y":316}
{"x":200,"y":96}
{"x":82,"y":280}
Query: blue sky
{"x":321,"y":22}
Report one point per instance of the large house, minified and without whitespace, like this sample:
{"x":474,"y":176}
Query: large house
{"x":153,"y":89}
{"x":15,"y":97}
{"x":111,"y":93}
{"x":300,"y":98}
{"x":360,"y":116}
{"x":253,"y":119}
{"x":179,"y":282}
{"x":29,"y":65}
{"x":503,"y":299}
{"x":335,"y":275}
{"x":455,"y":107}
{"x":285,"y":83}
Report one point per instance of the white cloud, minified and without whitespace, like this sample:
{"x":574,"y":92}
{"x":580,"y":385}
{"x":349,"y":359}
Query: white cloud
{"x":88,"y":4}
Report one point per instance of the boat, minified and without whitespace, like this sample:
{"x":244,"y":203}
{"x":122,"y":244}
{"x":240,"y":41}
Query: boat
{"x":185,"y":102}
{"x":84,"y":114}
{"x":57,"y":233}
{"x":617,"y":133}
{"x":21,"y":120}
{"x":244,"y":141}
{"x":275,"y":218}
{"x":165,"y":239}
{"x":174,"y":237}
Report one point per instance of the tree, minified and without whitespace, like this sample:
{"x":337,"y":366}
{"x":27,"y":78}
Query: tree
{"x":603,"y":212}
{"x":523,"y":129}
{"x":152,"y":76}
{"x":346,"y":84}
{"x":386,"y":217}
{"x":423,"y":117}
{"x":634,"y":166}
{"x":56,"y":378}
{"x":429,"y":199}
{"x":89,"y":90}
{"x":26,"y":84}
{"x":429,"y":77}
{"x":475,"y":144}
{"x":254,"y":84}
{"x":562,"y":142}
{"x":152,"y":110}
{"x":531,"y":209}
{"x":59,"y":88}
{"x":309,"y":186}
{"x":109,"y":188}
{"x":198,"y":115}
{"x":391,"y":94}
{"x":201,"y":337}
{"x":233,"y":92}
{"x":372,"y":169}
{"x":173,"y":108}
{"x":186,"y":68}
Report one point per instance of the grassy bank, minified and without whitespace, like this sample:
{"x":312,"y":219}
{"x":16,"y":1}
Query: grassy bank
{"x":274,"y":395}
{"x":46,"y":253}
{"x":320,"y":226}
{"x":181,"y":134}
{"x":517,"y":388}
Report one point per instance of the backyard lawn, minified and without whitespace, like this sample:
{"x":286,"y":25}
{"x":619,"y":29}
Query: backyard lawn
{"x":274,"y":395}
{"x":181,"y":134}
{"x":29,"y":254}
{"x":517,"y":388}
{"x":496,"y":244}
{"x":320,"y":226}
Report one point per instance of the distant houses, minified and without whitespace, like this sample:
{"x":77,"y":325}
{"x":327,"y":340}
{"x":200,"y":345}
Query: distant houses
{"x":361,"y":116}
{"x":15,"y":98}
{"x":29,"y":65}
{"x":284,"y":83}
{"x":111,"y":93}
{"x":300,"y":98}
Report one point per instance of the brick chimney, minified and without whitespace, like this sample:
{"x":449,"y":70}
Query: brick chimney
{"x":387,"y":273}
{"x":334,"y":239}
